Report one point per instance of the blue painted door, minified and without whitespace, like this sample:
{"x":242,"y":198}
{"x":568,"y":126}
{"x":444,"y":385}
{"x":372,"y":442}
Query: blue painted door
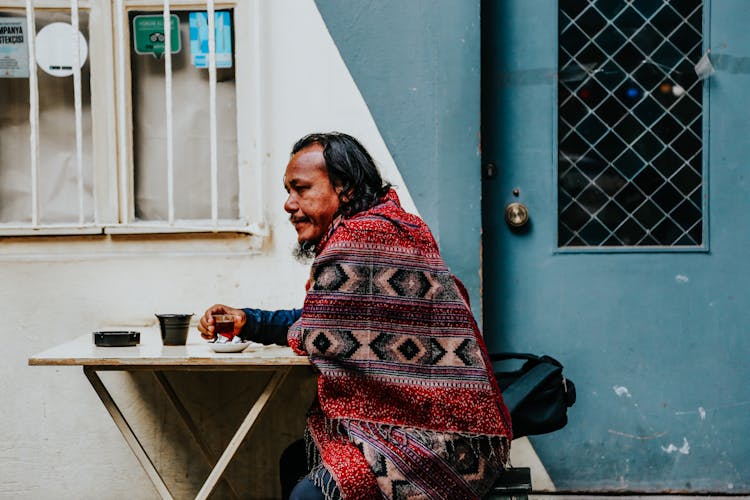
{"x":645,"y":302}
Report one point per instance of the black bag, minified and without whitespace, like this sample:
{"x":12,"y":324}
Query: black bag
{"x":537,"y":395}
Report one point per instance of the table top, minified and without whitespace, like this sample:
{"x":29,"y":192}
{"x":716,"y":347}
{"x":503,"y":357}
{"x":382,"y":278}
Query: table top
{"x":150,"y":353}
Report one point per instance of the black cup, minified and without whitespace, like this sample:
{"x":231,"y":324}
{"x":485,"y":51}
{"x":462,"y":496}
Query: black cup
{"x":174,"y":328}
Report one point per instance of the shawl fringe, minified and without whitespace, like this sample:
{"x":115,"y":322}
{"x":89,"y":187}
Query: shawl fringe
{"x":495,"y":447}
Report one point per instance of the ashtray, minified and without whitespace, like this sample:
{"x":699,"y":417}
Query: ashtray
{"x":116,"y":338}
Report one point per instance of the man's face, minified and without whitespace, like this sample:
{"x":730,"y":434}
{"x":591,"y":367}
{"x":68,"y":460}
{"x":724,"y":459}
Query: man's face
{"x":312,"y":202}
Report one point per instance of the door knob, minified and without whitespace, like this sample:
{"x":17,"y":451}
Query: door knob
{"x":516,"y":215}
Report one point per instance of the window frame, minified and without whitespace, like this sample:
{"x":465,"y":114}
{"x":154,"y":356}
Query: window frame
{"x":112,"y":127}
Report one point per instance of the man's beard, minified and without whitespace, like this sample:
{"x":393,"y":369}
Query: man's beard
{"x":304,"y":252}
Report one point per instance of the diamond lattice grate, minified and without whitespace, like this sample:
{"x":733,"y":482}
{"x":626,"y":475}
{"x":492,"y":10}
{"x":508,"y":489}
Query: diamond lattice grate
{"x":630,"y":123}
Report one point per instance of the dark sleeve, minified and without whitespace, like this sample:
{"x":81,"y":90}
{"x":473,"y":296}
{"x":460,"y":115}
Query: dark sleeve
{"x":269,"y":327}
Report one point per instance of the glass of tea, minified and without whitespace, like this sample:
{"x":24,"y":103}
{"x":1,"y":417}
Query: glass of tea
{"x":224,"y":325}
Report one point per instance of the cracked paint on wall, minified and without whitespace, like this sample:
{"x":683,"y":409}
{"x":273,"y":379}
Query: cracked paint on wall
{"x":684,"y":449}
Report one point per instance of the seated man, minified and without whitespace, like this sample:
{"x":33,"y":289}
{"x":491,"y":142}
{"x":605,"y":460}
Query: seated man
{"x":407,"y":404}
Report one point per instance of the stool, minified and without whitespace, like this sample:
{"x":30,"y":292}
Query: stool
{"x":513,"y":484}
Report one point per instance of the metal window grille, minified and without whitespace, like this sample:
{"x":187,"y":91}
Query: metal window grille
{"x":114,"y":189}
{"x":136,"y":218}
{"x":76,"y":217}
{"x":630,"y":124}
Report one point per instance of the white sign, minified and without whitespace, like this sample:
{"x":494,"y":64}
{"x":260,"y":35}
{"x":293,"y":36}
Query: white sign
{"x":55,"y":49}
{"x":14,"y":49}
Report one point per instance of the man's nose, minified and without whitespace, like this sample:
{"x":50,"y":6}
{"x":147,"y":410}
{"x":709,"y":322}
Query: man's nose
{"x":290,"y":205}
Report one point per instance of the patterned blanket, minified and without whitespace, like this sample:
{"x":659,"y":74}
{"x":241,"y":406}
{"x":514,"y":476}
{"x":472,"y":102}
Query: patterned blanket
{"x":407,"y":404}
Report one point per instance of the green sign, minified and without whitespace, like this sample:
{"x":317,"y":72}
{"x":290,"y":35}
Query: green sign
{"x":148,"y":34}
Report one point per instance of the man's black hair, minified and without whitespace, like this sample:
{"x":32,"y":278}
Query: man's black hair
{"x":350,"y":167}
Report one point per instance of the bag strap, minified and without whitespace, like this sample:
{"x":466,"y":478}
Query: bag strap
{"x":504,"y":356}
{"x":501,"y":356}
{"x":518,"y":391}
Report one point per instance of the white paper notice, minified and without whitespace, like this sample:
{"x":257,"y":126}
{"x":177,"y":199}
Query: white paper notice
{"x":14,"y":49}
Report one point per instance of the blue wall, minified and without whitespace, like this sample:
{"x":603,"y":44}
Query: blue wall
{"x":417,"y":64}
{"x":679,"y":345}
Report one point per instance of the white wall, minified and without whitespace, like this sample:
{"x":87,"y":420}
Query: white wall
{"x":56,"y":439}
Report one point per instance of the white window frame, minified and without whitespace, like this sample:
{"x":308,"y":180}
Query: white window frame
{"x":112,"y":128}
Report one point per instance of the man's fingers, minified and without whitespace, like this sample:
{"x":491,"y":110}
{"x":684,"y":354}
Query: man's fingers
{"x":206,"y":334}
{"x":206,"y":324}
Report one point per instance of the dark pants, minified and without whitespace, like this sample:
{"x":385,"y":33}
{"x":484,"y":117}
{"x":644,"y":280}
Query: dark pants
{"x":306,"y":490}
{"x":293,"y":472}
{"x":292,"y":467}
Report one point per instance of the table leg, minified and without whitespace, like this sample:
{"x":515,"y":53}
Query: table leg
{"x":278,"y":376}
{"x":127,"y":432}
{"x":208,"y":454}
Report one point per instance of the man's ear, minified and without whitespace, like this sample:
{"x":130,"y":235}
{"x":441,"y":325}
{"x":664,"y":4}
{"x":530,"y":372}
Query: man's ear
{"x":344,"y":197}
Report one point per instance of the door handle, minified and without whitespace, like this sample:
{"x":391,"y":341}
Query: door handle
{"x":516,"y":215}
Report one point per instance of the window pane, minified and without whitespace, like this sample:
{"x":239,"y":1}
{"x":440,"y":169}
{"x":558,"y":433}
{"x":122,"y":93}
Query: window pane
{"x":58,"y":167}
{"x":15,"y":171}
{"x":630,"y":123}
{"x":190,"y":115}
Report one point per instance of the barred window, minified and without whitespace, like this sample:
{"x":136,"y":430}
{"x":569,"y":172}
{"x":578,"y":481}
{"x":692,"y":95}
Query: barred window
{"x":134,"y":138}
{"x":630,"y":138}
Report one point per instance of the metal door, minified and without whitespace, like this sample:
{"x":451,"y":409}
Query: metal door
{"x":631,"y":268}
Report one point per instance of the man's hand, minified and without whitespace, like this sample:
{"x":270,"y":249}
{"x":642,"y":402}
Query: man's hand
{"x":206,"y":325}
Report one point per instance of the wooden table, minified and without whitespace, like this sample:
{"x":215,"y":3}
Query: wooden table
{"x":152,"y":356}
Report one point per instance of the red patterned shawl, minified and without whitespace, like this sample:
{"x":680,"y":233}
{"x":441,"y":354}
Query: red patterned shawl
{"x":407,"y":405}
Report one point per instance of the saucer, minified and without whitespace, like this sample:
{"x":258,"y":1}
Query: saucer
{"x":229,"y":347}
